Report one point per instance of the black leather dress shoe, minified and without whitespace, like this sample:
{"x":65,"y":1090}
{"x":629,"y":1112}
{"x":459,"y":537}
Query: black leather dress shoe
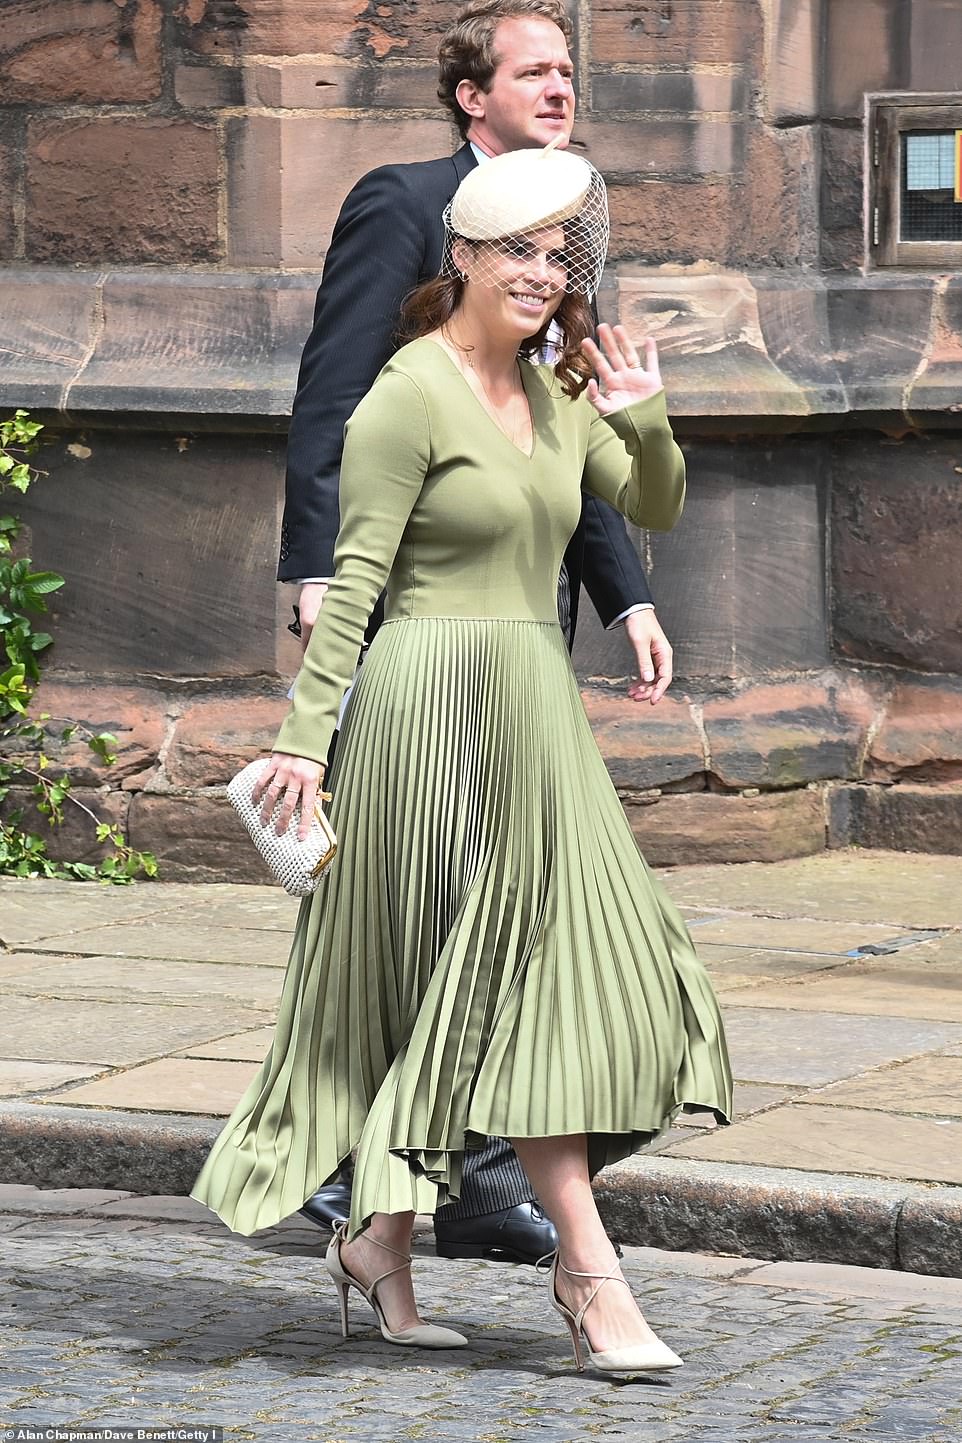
{"x":329,"y":1205}
{"x":521,"y":1234}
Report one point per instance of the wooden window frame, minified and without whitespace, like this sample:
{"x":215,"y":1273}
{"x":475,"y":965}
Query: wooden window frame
{"x":887,"y":118}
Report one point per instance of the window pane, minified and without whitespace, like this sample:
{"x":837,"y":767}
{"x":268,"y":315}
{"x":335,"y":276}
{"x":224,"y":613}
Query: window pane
{"x":929,"y":209}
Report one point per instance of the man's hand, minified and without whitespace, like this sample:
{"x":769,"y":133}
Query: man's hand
{"x":309,"y":604}
{"x":653,"y":650}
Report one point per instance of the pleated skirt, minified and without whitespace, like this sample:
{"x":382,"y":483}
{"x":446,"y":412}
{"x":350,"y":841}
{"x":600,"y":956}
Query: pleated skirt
{"x":489,"y":954}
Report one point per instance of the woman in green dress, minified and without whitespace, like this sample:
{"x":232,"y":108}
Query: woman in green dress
{"x":489,"y":954}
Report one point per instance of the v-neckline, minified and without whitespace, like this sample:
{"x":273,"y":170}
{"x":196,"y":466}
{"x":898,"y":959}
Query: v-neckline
{"x":527,"y":455}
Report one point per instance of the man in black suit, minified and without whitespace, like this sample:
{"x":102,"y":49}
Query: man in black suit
{"x":506,"y":77}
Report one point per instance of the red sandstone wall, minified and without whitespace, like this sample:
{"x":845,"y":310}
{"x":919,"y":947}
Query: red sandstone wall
{"x":169,"y":174}
{"x":180,"y":132}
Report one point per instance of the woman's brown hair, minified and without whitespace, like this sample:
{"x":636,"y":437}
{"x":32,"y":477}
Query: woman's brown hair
{"x":431,"y":306}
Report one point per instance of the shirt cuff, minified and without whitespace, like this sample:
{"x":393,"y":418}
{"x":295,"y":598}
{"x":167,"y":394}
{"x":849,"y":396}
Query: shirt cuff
{"x":624,"y":615}
{"x":310,"y":580}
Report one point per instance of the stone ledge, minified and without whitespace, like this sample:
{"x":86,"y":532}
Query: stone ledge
{"x":741,"y":352}
{"x":653,"y":1201}
{"x":901,"y":818}
{"x":779,"y":1213}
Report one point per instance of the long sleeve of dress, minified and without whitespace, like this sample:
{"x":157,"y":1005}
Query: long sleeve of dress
{"x":651,"y":490}
{"x":386,"y":453}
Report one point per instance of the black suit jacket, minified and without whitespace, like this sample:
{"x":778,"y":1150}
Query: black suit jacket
{"x":388,"y":239}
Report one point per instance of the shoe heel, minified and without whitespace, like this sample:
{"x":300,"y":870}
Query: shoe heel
{"x":342,"y":1292}
{"x":576,"y":1345}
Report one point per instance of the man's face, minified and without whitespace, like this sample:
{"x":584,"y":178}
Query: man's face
{"x":531,"y":100}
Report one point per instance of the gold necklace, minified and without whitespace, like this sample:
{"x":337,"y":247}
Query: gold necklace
{"x":517,"y":432}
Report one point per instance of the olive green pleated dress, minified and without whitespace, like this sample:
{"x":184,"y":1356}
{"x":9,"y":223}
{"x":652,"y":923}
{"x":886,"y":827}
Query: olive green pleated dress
{"x":489,"y":953}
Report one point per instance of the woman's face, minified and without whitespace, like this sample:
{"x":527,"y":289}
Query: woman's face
{"x":518,"y":283}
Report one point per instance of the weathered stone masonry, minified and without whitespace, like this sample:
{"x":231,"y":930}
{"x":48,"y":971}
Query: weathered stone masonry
{"x":169,"y":174}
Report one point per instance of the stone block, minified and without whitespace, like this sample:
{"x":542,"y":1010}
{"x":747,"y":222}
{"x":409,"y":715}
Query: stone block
{"x":697,"y":316}
{"x":661,"y":32}
{"x":907,"y":818}
{"x":624,"y":149}
{"x":9,"y":147}
{"x":288,"y":176}
{"x":790,"y":733}
{"x":841,"y":198}
{"x":195,"y":839}
{"x":793,"y":319}
{"x":169,"y":547}
{"x":645,"y":746}
{"x":895,"y":539}
{"x":75,"y":839}
{"x":772,"y":202}
{"x":740,"y":581}
{"x":209,"y":87}
{"x":759,"y":1212}
{"x":934,"y":45}
{"x":677,"y":92}
{"x":216,"y":736}
{"x":272,"y":27}
{"x":929,"y":1228}
{"x":86,"y":1148}
{"x":135,"y":716}
{"x":866,"y":48}
{"x":932,"y":396}
{"x":792,"y":61}
{"x":704,"y":827}
{"x":81,"y":51}
{"x":920,"y":738}
{"x":313,"y":27}
{"x":879,"y":328}
{"x":644,"y":221}
{"x":47,"y":325}
{"x":325,"y":83}
{"x":122,"y":188}
{"x":237,"y":348}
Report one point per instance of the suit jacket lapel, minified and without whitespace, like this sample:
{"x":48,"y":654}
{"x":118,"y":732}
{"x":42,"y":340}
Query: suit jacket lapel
{"x":464,"y":161}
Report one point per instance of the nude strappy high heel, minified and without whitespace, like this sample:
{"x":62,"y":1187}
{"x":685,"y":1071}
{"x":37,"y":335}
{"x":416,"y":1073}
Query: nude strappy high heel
{"x":425,"y":1335}
{"x":654,"y":1357}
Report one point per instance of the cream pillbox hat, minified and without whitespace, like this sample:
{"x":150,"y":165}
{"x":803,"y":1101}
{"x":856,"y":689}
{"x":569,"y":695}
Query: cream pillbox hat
{"x":523,"y":191}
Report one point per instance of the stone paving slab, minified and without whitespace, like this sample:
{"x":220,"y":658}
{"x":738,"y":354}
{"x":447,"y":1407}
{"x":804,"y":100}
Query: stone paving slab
{"x":839,"y":1139}
{"x":112,"y":1033}
{"x":168,"y":1319}
{"x":867,"y":991}
{"x":153,"y":938}
{"x":745,"y":966}
{"x":770,"y":1045}
{"x":174,"y":1084}
{"x":835,"y":939}
{"x":110,"y":979}
{"x":243,"y":1047}
{"x":19,"y":1078}
{"x":927,"y":1085}
{"x":900,"y":889}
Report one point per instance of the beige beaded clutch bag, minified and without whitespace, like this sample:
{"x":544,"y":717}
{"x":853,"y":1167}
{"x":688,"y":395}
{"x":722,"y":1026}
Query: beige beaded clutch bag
{"x":298,"y":866}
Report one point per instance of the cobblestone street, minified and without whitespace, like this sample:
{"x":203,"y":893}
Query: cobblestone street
{"x":149,"y":1315}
